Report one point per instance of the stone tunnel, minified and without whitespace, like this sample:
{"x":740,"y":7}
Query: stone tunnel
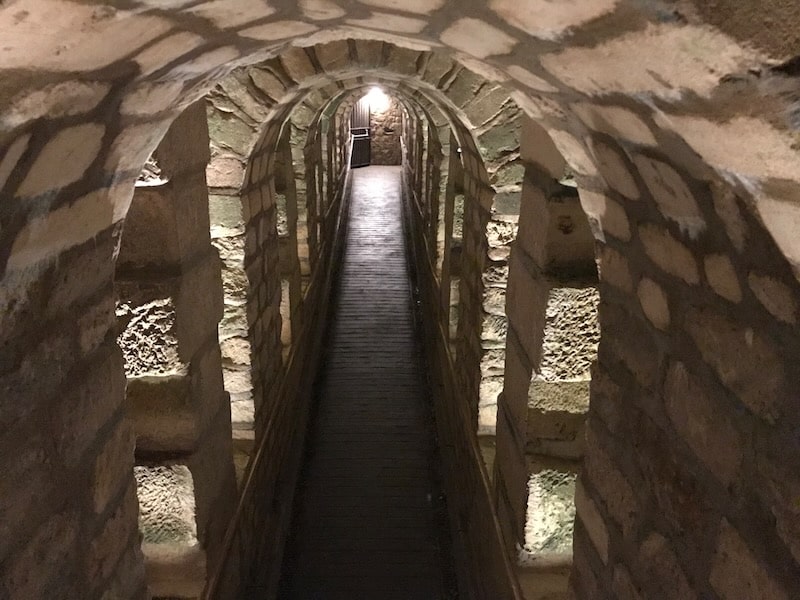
{"x":575,"y":254}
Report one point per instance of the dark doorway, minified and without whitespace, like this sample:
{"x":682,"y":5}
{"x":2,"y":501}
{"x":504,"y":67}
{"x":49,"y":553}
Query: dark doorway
{"x":360,"y":134}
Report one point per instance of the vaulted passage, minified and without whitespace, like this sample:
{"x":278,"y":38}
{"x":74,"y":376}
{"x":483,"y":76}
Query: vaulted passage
{"x":366,"y":523}
{"x":601,"y":206}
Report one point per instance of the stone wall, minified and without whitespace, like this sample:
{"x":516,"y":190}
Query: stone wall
{"x":677,"y":124}
{"x":551,"y":345}
{"x":286,"y":313}
{"x":442,"y":261}
{"x":170,"y":301}
{"x":385,"y":134}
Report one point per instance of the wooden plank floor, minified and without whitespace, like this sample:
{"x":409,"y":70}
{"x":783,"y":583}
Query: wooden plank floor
{"x":367,"y":522}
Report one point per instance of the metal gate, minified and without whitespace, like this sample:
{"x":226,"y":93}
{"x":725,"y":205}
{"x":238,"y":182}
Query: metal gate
{"x":359,"y":134}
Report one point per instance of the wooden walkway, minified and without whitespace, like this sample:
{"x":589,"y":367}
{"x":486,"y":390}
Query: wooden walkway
{"x":368,"y":520}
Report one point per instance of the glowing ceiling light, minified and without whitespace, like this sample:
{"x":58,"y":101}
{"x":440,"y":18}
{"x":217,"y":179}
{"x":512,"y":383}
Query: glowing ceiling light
{"x":378,"y":100}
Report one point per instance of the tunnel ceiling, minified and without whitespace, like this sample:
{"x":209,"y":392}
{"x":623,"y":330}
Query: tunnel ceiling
{"x":254,"y":100}
{"x":652,"y":75}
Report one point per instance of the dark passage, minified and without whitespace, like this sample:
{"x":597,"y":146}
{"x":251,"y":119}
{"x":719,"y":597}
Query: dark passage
{"x":367,"y":524}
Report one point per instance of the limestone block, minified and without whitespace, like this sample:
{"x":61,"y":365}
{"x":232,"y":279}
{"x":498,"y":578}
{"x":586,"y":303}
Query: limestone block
{"x":616,"y":121}
{"x":487,"y":105}
{"x":545,"y":580}
{"x":668,"y":253}
{"x":547,"y":20}
{"x":613,"y":268}
{"x":775,"y":295}
{"x":673,"y":197}
{"x":652,"y":60}
{"x":88,"y":404}
{"x":114,"y":539}
{"x":614,"y":491}
{"x":494,"y":301}
{"x":225,"y":15}
{"x":661,"y":567}
{"x":230,"y":132}
{"x":531,"y":80}
{"x":162,"y":413}
{"x":615,"y":171}
{"x":637,"y":351}
{"x":402,"y":60}
{"x":166,"y":224}
{"x":516,"y":383}
{"x":511,"y":476}
{"x":526,"y":302}
{"x":207,"y":62}
{"x":493,"y":331}
{"x":199,"y":304}
{"x":727,"y":209}
{"x":149,"y":338}
{"x":704,"y":424}
{"x":745,"y":361}
{"x":722,"y":277}
{"x":654,"y":302}
{"x":153,"y":97}
{"x":556,"y":418}
{"x":550,"y":514}
{"x":167,"y":49}
{"x":622,"y":584}
{"x":333,"y":56}
{"x":507,"y":201}
{"x":296,"y":63}
{"x":571,"y":334}
{"x":570,"y":242}
{"x":225,"y":216}
{"x":112,"y":467}
{"x":29,"y":571}
{"x":57,"y":100}
{"x":496,"y":145}
{"x":70,"y":225}
{"x":268,"y":83}
{"x":64,"y":159}
{"x":571,"y":397}
{"x":770,"y":152}
{"x":477,"y":38}
{"x":574,"y":152}
{"x":166,"y":504}
{"x":737,"y":574}
{"x":500,"y":233}
{"x":225,"y":172}
{"x":11,"y":157}
{"x":606,"y":215}
{"x":592,"y":521}
{"x":174,"y":560}
{"x":413,"y":6}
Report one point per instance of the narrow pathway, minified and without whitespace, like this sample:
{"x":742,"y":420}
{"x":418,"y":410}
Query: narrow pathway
{"x":366,"y":524}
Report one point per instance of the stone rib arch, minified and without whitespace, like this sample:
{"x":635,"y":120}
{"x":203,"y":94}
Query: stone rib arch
{"x":690,"y":76}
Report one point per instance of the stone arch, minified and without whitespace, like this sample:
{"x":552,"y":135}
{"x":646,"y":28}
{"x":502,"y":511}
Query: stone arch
{"x":460,"y":101}
{"x":138,"y":66}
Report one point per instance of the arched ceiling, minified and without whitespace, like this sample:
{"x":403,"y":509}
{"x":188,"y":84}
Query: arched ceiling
{"x":94,"y":87}
{"x":255,"y":98}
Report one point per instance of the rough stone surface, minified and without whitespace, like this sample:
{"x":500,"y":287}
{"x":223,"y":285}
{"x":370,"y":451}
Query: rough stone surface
{"x":682,"y":119}
{"x":571,"y":334}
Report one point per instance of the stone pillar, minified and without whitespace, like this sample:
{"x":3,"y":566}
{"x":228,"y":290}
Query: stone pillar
{"x":286,"y":203}
{"x":552,"y":342}
{"x":170,"y":302}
